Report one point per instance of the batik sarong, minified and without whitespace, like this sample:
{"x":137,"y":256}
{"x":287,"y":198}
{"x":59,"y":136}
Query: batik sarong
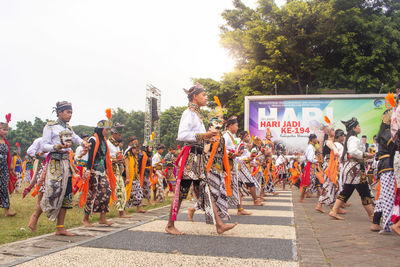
{"x":120,"y":188}
{"x":386,"y":199}
{"x":58,"y":186}
{"x":136,"y":196}
{"x":99,"y":194}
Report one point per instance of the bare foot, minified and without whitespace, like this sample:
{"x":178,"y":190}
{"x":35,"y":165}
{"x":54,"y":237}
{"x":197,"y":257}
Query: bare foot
{"x":140,"y":210}
{"x":33,"y":222}
{"x":87,"y":223}
{"x":396,"y":229}
{"x":262,"y":199}
{"x":243,"y":212}
{"x":10,"y":214}
{"x":173,"y":231}
{"x":258,"y":203}
{"x":375,"y":228}
{"x":191,"y":213}
{"x":225,"y":227}
{"x":347,"y":205}
{"x":106,"y":223}
{"x":64,"y":232}
{"x":334,"y":215}
{"x":319,"y":209}
{"x":341,"y":211}
{"x":275,"y":193}
{"x":124,"y":216}
{"x":301,"y":200}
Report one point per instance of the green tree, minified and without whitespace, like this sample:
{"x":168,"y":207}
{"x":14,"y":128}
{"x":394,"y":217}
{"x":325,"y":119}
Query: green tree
{"x":314,"y":45}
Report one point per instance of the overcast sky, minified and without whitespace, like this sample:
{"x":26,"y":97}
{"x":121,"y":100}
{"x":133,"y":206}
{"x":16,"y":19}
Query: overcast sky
{"x":101,"y":54}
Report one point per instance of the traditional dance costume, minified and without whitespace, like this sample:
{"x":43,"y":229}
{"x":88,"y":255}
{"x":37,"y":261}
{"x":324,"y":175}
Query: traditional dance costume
{"x":118,"y":169}
{"x":134,"y":191}
{"x":330,"y":186}
{"x":387,"y":180}
{"x":157,"y":183}
{"x":58,"y":178}
{"x":354,"y":172}
{"x":102,"y":181}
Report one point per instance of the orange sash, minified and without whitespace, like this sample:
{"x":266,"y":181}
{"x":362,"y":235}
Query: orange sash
{"x":143,"y":167}
{"x":332,"y":170}
{"x":227,"y":167}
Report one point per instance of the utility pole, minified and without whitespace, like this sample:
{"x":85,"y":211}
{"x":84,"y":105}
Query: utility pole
{"x":276,"y":89}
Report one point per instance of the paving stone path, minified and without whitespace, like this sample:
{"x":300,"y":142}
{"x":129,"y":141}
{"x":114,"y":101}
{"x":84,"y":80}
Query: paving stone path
{"x":266,"y":238}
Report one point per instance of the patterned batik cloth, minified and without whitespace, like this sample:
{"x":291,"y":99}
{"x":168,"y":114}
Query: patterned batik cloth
{"x":58,"y":188}
{"x":213,"y":189}
{"x":99,"y":194}
{"x":146,"y":186}
{"x":136,"y":196}
{"x":269,"y":187}
{"x":159,"y":187}
{"x":385,"y":202}
{"x":4,"y":177}
{"x":329,"y":189}
{"x":119,"y":188}
{"x":244,"y":174}
{"x":234,"y":200}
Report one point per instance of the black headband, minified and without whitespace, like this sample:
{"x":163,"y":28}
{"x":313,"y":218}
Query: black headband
{"x":61,"y":106}
{"x":350,"y":124}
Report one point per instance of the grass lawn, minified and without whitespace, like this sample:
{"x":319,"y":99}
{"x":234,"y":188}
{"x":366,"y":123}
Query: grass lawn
{"x":16,"y":228}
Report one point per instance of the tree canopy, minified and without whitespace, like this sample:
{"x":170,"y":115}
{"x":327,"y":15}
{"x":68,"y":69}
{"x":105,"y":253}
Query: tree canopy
{"x":307,"y":47}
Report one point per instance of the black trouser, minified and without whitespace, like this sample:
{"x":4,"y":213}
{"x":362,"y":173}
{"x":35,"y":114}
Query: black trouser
{"x":185,"y":186}
{"x":362,"y":189}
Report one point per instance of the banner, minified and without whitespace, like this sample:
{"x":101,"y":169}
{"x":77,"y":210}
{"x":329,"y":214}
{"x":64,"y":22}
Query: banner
{"x":292,"y":121}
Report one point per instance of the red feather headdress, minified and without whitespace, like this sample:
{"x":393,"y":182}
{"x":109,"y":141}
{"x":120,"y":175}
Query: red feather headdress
{"x":8,"y":118}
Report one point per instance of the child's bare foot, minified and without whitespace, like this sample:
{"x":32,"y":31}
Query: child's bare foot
{"x":225,"y":227}
{"x":86,"y":223}
{"x":375,"y":228}
{"x":140,"y":210}
{"x":122,"y":214}
{"x":105,"y":222}
{"x":9,"y":214}
{"x":341,"y":211}
{"x":258,"y":202}
{"x":64,"y":232}
{"x":243,"y":212}
{"x":172,"y":230}
{"x":33,"y":222}
{"x":320,"y":209}
{"x":396,"y":229}
{"x":191,"y":214}
{"x":334,"y":215}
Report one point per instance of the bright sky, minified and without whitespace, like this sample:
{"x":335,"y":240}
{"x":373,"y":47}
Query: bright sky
{"x":101,"y":54}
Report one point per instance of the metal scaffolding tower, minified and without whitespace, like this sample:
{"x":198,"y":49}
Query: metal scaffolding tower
{"x":153,"y":113}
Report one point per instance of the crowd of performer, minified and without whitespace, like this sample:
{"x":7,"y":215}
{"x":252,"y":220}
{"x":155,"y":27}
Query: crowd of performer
{"x":216,"y":164}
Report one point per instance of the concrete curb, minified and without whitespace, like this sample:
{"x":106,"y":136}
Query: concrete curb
{"x":309,"y":250}
{"x":78,"y":243}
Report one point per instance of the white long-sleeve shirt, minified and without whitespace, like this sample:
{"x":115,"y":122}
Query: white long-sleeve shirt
{"x":113,"y":149}
{"x":355,"y":148}
{"x":189,"y":126}
{"x":156,"y":159}
{"x":51,"y":137}
{"x":310,"y":154}
{"x":35,"y":147}
{"x":78,"y":152}
{"x":340,"y":148}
